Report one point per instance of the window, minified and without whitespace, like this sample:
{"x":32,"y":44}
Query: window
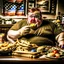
{"x":14,"y":7}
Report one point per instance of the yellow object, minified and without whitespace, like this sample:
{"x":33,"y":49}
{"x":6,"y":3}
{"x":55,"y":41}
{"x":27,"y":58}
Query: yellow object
{"x":50,"y":54}
{"x":57,"y":21}
{"x":33,"y":25}
{"x":57,"y":55}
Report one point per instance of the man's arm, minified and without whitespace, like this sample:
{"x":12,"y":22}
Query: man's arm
{"x":10,"y":39}
{"x":13,"y":35}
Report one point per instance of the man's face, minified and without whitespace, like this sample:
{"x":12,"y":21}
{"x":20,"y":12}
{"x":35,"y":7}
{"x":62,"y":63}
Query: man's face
{"x":34,"y":17}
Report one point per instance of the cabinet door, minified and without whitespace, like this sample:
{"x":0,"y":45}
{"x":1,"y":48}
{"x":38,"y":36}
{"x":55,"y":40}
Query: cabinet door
{"x":14,"y":7}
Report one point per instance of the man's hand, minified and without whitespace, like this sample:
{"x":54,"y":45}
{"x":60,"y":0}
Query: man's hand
{"x":60,"y":39}
{"x":61,"y":44}
{"x":24,"y":30}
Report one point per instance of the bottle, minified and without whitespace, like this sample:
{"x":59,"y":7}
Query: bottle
{"x":62,"y":19}
{"x":58,"y":18}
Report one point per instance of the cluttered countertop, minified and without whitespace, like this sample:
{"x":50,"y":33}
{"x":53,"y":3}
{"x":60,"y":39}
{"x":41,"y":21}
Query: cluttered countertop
{"x":24,"y":51}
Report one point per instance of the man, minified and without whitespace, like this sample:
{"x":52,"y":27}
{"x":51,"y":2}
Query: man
{"x":43,"y":33}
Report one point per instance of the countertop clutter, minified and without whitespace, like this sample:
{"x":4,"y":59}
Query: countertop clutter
{"x":7,"y":21}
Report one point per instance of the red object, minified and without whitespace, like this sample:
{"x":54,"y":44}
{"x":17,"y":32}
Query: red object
{"x":12,"y":0}
{"x":33,"y":20}
{"x":55,"y":51}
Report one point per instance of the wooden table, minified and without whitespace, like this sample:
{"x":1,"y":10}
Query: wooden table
{"x":17,"y":59}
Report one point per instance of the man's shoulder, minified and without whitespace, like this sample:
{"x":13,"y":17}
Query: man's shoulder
{"x":22,"y":21}
{"x":47,"y":22}
{"x":18,"y":24}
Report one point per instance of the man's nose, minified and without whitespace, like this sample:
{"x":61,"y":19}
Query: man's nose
{"x":33,"y":20}
{"x":33,"y":17}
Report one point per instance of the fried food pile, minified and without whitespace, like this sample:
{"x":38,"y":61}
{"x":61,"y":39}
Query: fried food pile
{"x":6,"y":48}
{"x":24,"y":48}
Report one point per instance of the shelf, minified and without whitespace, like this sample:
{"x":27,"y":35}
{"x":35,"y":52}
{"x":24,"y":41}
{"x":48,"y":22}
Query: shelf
{"x":20,"y":17}
{"x":5,"y":25}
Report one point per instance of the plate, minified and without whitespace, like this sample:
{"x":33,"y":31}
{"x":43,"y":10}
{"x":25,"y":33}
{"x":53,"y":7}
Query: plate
{"x":26,"y":52}
{"x":62,"y":57}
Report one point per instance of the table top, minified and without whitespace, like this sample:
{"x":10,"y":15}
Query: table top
{"x":18,"y":58}
{"x":21,"y":60}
